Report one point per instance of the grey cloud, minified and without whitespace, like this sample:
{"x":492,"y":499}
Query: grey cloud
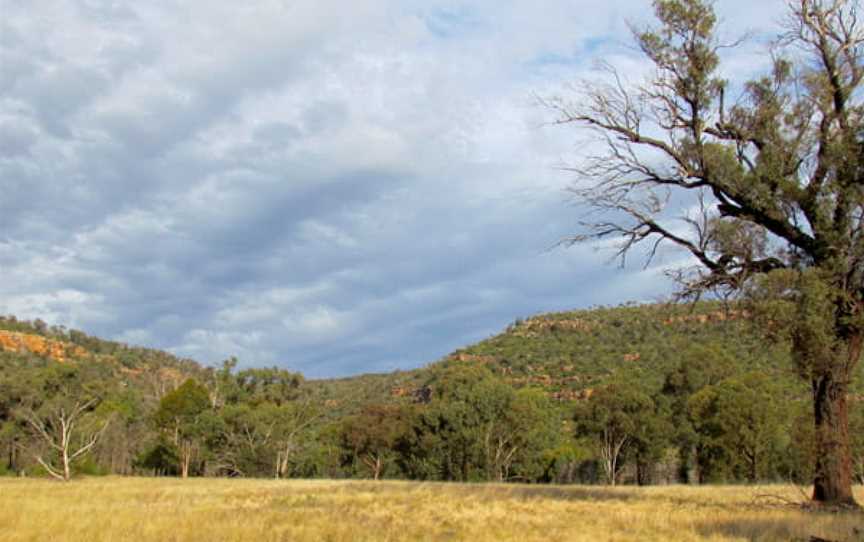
{"x":332,"y":188}
{"x":17,"y":135}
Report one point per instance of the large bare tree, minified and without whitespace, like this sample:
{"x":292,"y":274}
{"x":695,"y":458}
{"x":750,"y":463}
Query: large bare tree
{"x":764,"y":190}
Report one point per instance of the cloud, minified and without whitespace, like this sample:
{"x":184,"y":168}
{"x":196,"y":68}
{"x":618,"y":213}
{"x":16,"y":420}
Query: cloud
{"x":333,"y":188}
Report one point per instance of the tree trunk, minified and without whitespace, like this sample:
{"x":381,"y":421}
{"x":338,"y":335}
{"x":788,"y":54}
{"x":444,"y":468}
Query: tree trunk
{"x":754,"y":469}
{"x":185,"y":459}
{"x":644,"y":471}
{"x":375,"y":465}
{"x":13,"y":456}
{"x":286,"y":454}
{"x":833,"y":474}
{"x":689,"y":468}
{"x":377,"y":468}
{"x":67,"y":472}
{"x":610,"y":450}
{"x":464,"y":468}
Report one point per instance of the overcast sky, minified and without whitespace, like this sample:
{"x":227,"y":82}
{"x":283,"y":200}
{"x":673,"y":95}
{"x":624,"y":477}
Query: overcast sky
{"x":334,"y":187}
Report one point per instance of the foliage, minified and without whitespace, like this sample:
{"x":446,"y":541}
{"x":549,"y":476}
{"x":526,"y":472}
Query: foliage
{"x":371,"y":437}
{"x":623,"y":420}
{"x":515,"y":407}
{"x":740,"y":425}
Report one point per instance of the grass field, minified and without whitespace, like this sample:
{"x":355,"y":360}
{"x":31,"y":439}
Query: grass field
{"x":147,"y":509}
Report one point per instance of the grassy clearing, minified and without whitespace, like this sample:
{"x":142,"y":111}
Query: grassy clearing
{"x":144,"y":509}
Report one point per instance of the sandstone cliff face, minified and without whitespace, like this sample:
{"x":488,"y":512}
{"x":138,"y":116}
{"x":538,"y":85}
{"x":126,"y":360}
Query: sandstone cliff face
{"x":533,"y":327}
{"x":23,"y":343}
{"x":716,"y":316}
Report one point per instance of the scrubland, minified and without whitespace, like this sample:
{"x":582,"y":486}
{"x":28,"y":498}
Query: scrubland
{"x":166,"y":509}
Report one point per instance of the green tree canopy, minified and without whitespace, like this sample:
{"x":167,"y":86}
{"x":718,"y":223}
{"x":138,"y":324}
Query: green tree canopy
{"x":185,"y":415}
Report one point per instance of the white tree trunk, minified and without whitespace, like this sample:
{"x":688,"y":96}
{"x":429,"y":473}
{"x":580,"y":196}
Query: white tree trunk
{"x":58,"y":435}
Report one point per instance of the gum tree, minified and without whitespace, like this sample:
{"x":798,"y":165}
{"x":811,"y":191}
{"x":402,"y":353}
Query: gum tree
{"x":62,"y":426}
{"x":615,"y":419}
{"x":762,"y":186}
{"x":185,"y":415}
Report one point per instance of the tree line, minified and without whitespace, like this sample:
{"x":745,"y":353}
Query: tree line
{"x":712,"y":422}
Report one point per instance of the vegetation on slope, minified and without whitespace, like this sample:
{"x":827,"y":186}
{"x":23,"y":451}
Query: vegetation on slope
{"x":632,"y":394}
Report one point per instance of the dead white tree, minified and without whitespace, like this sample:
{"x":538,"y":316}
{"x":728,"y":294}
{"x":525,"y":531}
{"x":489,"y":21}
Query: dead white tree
{"x":500,"y":445}
{"x":301,"y":417}
{"x":59,"y":429}
{"x":611,"y":447}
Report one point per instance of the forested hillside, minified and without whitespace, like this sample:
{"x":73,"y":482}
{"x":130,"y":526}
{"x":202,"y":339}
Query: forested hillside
{"x":632,"y":394}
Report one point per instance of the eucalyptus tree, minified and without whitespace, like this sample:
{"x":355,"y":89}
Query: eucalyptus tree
{"x":63,"y":425}
{"x":771,"y":185}
{"x":186,"y":418}
{"x":741,"y":420}
{"x":616,"y":418}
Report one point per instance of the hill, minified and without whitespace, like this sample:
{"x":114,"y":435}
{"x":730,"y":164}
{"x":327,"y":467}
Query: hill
{"x":59,"y":344}
{"x":36,"y":345}
{"x":566,"y":354}
{"x":569,"y":354}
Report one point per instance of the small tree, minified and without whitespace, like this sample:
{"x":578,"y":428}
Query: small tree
{"x":699,"y":366}
{"x":614,"y":418}
{"x":371,"y":436}
{"x":293,"y":427}
{"x":741,"y":419}
{"x":475,"y":425}
{"x":183,"y":415}
{"x":652,"y":440}
{"x":515,"y":442}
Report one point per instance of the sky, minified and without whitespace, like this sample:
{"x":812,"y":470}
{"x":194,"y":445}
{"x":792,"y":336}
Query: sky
{"x":325,"y":186}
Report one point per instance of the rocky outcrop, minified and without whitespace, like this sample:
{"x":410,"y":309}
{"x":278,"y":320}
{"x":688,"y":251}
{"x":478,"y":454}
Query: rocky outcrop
{"x":473,"y":358}
{"x":572,"y":395}
{"x":534,"y":326}
{"x":26,"y":343}
{"x":421,"y":395}
{"x":710,"y":317}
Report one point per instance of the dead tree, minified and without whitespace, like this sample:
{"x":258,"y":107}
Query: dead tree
{"x":61,"y":431}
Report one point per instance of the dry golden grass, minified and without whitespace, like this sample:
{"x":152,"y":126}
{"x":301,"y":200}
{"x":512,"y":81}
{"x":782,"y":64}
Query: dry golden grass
{"x":147,"y":509}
